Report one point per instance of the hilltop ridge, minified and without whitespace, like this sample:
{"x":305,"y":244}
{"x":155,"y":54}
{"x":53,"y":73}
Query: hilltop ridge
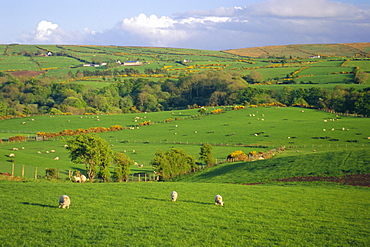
{"x":306,"y":50}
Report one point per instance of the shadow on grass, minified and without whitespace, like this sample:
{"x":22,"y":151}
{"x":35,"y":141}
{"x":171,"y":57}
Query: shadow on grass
{"x":38,"y":204}
{"x":179,"y":200}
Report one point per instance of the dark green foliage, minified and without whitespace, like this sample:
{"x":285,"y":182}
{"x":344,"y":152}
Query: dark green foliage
{"x":122,"y":169}
{"x":172,"y":163}
{"x":206,"y":154}
{"x":51,"y":173}
{"x":94,"y":152}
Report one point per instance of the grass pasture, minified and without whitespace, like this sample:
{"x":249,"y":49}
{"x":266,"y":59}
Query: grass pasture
{"x":273,"y":62}
{"x":141,"y":214}
{"x":270,"y":127}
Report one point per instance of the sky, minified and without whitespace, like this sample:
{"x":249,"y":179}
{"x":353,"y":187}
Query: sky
{"x":197,"y":24}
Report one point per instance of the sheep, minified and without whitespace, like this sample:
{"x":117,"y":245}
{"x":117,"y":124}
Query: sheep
{"x":218,"y":200}
{"x":11,"y":155}
{"x":77,"y":179}
{"x":53,"y":151}
{"x":64,"y":201}
{"x":15,"y":149}
{"x":174,"y":196}
{"x":83,"y":178}
{"x":56,"y":158}
{"x":140,"y":166}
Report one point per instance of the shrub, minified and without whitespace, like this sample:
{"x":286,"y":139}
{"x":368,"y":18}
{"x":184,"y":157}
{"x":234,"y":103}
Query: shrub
{"x":51,"y":173}
{"x":237,"y":156}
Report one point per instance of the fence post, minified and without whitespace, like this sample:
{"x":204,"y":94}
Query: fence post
{"x":12,"y":169}
{"x":145,"y":178}
{"x":139,"y":177}
{"x":35,"y":172}
{"x":22,"y":171}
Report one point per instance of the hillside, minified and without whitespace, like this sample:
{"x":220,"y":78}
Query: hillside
{"x":316,"y":142}
{"x":306,"y":51}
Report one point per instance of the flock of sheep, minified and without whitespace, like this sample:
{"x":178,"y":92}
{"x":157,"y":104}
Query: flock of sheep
{"x":65,"y":201}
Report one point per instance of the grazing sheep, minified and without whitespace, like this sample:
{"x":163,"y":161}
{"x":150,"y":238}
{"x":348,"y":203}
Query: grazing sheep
{"x":174,"y":196}
{"x":53,"y":151}
{"x":15,"y":149}
{"x":56,"y":158}
{"x":218,"y":200}
{"x":11,"y":155}
{"x":64,"y":201}
{"x":77,"y":179}
{"x":83,"y":178}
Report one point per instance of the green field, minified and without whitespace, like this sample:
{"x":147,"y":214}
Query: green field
{"x":227,"y":132}
{"x":142,"y":214}
{"x":280,"y":62}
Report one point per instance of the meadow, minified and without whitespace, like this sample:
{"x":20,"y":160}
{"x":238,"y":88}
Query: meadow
{"x":142,"y":214}
{"x":274,"y":63}
{"x":300,"y":131}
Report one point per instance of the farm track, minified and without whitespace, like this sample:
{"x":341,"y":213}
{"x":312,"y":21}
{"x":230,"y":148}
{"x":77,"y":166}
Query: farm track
{"x":353,"y":179}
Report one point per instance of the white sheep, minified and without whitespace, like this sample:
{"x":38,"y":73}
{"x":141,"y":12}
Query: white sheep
{"x":83,"y":178}
{"x":56,"y":158}
{"x":64,"y":201}
{"x":174,"y":196}
{"x":77,"y":179}
{"x":218,"y":200}
{"x":11,"y":155}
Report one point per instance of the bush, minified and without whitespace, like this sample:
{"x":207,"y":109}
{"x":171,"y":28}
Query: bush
{"x":51,"y":173}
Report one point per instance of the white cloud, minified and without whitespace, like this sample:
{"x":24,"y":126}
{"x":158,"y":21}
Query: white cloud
{"x":271,"y":22}
{"x":306,"y":9}
{"x":44,"y":30}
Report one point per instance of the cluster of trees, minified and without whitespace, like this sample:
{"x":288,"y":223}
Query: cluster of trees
{"x":34,"y":96}
{"x":97,"y":156}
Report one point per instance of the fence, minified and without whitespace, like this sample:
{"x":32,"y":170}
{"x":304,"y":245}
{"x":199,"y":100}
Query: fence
{"x":37,"y":173}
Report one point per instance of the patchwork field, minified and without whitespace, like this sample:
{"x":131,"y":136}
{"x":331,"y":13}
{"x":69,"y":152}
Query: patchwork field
{"x":274,"y":62}
{"x":314,"y":191}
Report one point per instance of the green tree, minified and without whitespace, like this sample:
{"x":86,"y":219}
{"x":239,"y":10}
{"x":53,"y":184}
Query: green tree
{"x":93,"y":151}
{"x":122,"y":169}
{"x":255,"y":76}
{"x":172,"y":163}
{"x":206,"y":154}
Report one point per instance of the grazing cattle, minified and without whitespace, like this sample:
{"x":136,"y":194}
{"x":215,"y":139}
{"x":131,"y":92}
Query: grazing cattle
{"x":218,"y":200}
{"x":64,"y":201}
{"x":174,"y":196}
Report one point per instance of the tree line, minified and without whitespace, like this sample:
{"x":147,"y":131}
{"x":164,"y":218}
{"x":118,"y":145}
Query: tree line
{"x":40,"y":96}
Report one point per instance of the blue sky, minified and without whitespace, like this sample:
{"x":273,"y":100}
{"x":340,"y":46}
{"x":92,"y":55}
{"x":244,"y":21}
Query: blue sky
{"x":199,"y":24}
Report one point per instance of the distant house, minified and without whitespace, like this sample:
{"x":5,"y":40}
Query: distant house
{"x":187,"y":61}
{"x":132,"y":63}
{"x":49,"y":53}
{"x":316,"y":56}
{"x":103,"y":64}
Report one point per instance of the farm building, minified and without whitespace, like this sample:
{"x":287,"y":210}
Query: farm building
{"x":132,"y":63}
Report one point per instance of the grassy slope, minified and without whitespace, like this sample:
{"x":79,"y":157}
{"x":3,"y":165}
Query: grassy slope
{"x":226,"y":132}
{"x":168,"y":59}
{"x":334,"y":163}
{"x":141,"y":214}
